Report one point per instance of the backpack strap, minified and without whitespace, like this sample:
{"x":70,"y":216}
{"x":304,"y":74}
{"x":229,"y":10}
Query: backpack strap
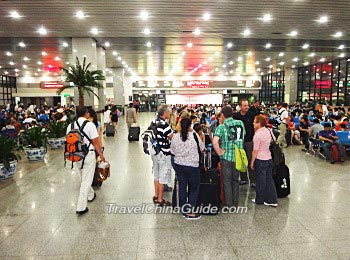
{"x":195,"y":136}
{"x":81,"y":129}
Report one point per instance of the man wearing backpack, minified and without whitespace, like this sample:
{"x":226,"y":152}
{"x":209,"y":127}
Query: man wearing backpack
{"x":87,"y":165}
{"x":162,"y":160}
{"x":226,"y":151}
{"x":283,"y":122}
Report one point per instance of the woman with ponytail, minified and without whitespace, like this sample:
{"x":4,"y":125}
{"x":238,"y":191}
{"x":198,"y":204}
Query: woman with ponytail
{"x":186,"y":146}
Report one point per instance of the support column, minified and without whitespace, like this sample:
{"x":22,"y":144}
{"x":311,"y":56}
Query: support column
{"x":101,"y":65}
{"x":291,"y":85}
{"x":118,"y":86}
{"x":85,"y":47}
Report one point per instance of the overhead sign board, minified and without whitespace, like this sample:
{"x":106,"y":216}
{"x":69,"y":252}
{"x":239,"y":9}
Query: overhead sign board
{"x":198,"y":84}
{"x":51,"y":84}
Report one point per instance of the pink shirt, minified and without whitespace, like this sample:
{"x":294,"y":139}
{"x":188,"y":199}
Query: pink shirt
{"x":262,"y":140}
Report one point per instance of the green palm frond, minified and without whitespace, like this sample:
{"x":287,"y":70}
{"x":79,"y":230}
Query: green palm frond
{"x":83,"y":79}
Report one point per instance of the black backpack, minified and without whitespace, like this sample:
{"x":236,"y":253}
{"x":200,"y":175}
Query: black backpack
{"x":276,"y":152}
{"x":149,"y":139}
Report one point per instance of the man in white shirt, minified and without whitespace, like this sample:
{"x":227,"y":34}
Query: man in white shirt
{"x":86,"y":170}
{"x":282,"y":120}
{"x":324,"y":110}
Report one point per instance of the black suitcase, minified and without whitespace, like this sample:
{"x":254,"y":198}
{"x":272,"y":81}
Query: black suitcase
{"x":282,"y":180}
{"x":134,"y":132}
{"x":110,"y":130}
{"x":209,"y":190}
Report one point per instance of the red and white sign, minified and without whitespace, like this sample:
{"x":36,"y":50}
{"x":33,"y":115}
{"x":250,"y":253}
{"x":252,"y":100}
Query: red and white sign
{"x":198,"y":84}
{"x":51,"y":84}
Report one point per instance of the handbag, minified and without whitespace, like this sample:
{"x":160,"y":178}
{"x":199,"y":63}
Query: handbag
{"x":241,"y":159}
{"x":103,"y":169}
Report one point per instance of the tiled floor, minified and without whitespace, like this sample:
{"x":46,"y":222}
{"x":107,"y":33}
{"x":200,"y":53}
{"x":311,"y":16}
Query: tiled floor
{"x":38,"y":220}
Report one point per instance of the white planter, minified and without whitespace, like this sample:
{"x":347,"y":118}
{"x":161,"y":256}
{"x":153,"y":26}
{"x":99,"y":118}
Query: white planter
{"x":56,"y":143}
{"x":7,"y":174}
{"x":35,"y":154}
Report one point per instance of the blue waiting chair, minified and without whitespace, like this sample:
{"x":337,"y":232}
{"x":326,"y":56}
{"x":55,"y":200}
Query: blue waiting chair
{"x":344,"y":137}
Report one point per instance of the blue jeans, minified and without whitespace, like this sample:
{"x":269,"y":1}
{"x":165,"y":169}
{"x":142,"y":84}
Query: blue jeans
{"x":189,"y":182}
{"x":327,"y":149}
{"x":265,"y":185}
{"x":230,"y":182}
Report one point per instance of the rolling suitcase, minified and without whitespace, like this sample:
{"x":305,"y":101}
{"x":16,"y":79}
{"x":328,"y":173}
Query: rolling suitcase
{"x":282,"y":180}
{"x":335,"y":153}
{"x":110,"y":130}
{"x":209,"y":190}
{"x":134,"y":132}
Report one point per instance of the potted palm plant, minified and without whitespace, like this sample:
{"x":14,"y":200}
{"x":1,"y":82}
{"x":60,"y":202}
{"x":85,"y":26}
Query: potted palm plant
{"x":34,"y":141}
{"x":9,"y":156}
{"x":84,"y":79}
{"x":56,"y":132}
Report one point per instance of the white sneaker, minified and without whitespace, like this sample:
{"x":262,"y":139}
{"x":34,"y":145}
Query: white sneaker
{"x":273,"y":204}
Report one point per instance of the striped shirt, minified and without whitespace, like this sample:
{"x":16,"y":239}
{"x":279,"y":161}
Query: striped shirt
{"x":163,"y":132}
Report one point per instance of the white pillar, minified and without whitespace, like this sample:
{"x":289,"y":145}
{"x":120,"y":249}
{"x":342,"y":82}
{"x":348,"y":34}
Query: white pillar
{"x":118,"y":86}
{"x":85,"y":47}
{"x":101,"y":65}
{"x":291,"y":85}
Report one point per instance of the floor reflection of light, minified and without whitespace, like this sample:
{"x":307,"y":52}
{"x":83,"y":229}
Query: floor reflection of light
{"x":33,"y":205}
{"x":52,"y":190}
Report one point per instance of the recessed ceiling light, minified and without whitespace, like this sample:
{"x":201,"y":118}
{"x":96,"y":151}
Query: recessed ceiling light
{"x":224,"y":66}
{"x":206,"y":16}
{"x":231,"y":62}
{"x":306,"y":45}
{"x":296,"y":59}
{"x":249,"y":53}
{"x":341,"y":47}
{"x":257,"y":62}
{"x":306,"y":63}
{"x":16,"y":70}
{"x":57,"y":58}
{"x":312,"y":54}
{"x":148,"y":44}
{"x":342,"y":55}
{"x":11,"y":63}
{"x":39,"y":70}
{"x":281,"y":63}
{"x":42,"y":30}
{"x":189,"y":44}
{"x":293,"y":66}
{"x":266,"y":18}
{"x":22,"y":44}
{"x":94,"y":31}
{"x":229,"y":45}
{"x":147,"y":31}
{"x":239,"y":58}
{"x":246,"y":32}
{"x":144,"y":15}
{"x":281,"y":54}
{"x":119,"y":58}
{"x":217,"y":53}
{"x":6,"y":72}
{"x":80,"y":15}
{"x":293,"y":33}
{"x":322,"y":60}
{"x":64,"y":44}
{"x":271,"y":66}
{"x":216,"y":69}
{"x":258,"y":69}
{"x":39,"y":62}
{"x":338,"y":34}
{"x":323,"y":19}
{"x":123,"y":62}
{"x":26,"y":59}
{"x":107,"y":44}
{"x":197,"y":31}
{"x":115,"y":53}
{"x":43,"y":53}
{"x":15,"y":15}
{"x":25,"y":66}
{"x":8,"y":53}
{"x":183,"y":53}
{"x":268,"y":59}
{"x":268,"y":45}
{"x":36,"y":74}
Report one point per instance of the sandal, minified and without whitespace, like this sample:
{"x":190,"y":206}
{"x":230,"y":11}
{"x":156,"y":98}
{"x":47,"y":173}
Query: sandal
{"x":155,"y":199}
{"x":164,"y":203}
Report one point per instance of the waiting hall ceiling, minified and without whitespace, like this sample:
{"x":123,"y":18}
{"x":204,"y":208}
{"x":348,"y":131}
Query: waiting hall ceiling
{"x":156,"y":38}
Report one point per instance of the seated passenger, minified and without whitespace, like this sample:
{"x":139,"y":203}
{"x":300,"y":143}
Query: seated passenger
{"x":329,"y":137}
{"x":344,"y":122}
{"x":295,"y":134}
{"x":316,"y":128}
{"x":304,"y":132}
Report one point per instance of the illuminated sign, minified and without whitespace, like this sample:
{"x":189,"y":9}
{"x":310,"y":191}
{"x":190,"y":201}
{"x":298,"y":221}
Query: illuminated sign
{"x":51,"y":84}
{"x":323,"y":84}
{"x":198,"y":84}
{"x":242,"y":91}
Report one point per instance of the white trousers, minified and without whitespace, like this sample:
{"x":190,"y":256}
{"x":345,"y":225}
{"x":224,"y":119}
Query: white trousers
{"x":87,"y":176}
